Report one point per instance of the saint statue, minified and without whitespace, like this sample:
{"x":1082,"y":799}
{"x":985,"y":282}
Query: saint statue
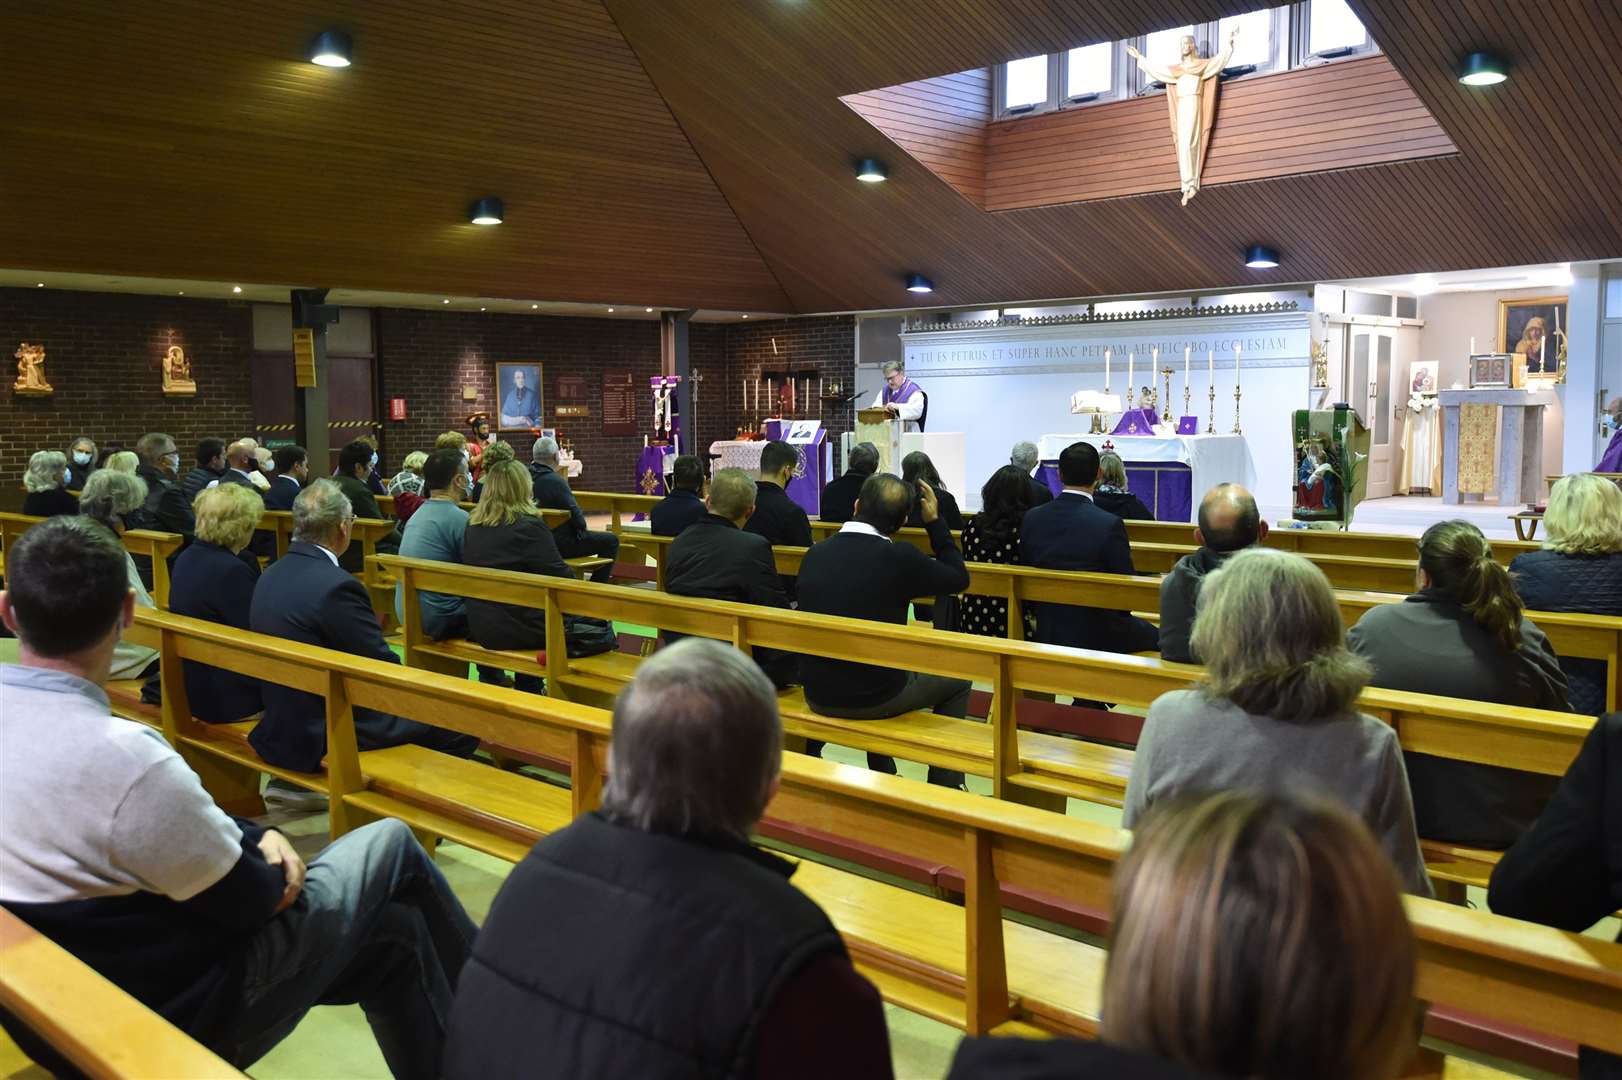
{"x":177,"y":372}
{"x":1191,"y":95}
{"x":31,"y":370}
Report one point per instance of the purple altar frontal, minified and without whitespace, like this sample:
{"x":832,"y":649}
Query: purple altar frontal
{"x":651,"y":469}
{"x":1165,"y":471}
{"x":1165,"y":487}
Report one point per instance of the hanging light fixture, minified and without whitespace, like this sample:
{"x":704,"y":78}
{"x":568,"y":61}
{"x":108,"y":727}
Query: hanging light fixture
{"x":871,"y":171}
{"x":1483,"y":69}
{"x":919,"y":284}
{"x":1261,"y":258}
{"x":331,"y":48}
{"x":486,"y":211}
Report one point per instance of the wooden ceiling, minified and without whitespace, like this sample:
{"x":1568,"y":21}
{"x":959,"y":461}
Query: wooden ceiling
{"x":697,"y":153}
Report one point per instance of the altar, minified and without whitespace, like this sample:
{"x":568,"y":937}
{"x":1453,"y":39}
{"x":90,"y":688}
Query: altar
{"x":1469,"y":435}
{"x":811,"y":474}
{"x":1170,"y":473}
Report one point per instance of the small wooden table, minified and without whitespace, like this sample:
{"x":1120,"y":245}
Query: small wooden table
{"x":1526,"y":524}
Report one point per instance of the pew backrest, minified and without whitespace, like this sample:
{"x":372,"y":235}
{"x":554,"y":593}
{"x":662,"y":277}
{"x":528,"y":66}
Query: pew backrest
{"x":155,"y":546}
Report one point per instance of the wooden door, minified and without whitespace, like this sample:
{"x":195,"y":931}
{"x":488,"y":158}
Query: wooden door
{"x":1373,"y":370}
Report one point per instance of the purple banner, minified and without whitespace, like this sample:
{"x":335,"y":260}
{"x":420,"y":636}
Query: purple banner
{"x":650,"y":470}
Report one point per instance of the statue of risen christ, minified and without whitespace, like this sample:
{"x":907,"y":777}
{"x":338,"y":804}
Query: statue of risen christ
{"x":1191,"y":95}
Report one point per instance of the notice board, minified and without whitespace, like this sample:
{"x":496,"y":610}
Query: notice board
{"x":619,"y":403}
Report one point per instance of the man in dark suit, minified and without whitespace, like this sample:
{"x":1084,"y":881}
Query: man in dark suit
{"x":292,"y":473}
{"x":552,"y":493}
{"x":839,"y":497}
{"x":240,"y":464}
{"x":306,"y":597}
{"x":209,"y":468}
{"x":715,"y":559}
{"x":777,"y":517}
{"x":862,"y":574}
{"x":355,"y":464}
{"x":685,"y":503}
{"x":1024,"y":455}
{"x":1071,"y":533}
{"x":166,"y":503}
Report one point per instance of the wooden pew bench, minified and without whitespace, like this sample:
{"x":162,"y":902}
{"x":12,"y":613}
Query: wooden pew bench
{"x":157,"y":547}
{"x":964,"y":965}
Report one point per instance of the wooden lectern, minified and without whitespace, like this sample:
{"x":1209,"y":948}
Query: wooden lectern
{"x":884,"y":431}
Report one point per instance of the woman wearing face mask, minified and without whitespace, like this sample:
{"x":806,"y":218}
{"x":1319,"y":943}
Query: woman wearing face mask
{"x":81,"y":462}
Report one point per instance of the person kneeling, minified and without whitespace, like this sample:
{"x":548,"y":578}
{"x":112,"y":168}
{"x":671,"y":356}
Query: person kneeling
{"x":213,"y":922}
{"x":650,"y":938}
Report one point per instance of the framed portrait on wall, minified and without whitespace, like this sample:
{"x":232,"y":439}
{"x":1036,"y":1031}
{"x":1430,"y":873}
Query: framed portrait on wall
{"x":1536,"y":329}
{"x":518,"y":395}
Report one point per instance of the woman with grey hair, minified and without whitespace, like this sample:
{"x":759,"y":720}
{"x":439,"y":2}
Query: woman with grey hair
{"x":108,"y":496}
{"x":1277,"y":709}
{"x":46,"y":481}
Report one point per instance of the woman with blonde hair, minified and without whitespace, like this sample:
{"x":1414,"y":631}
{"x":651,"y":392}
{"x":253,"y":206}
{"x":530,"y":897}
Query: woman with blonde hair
{"x":506,"y":532}
{"x":1111,"y":493}
{"x":46,"y":484}
{"x":213,"y":580}
{"x":407,"y":488}
{"x":1255,"y":936}
{"x":123,"y":461}
{"x":108,"y":497}
{"x":1463,"y":635}
{"x":1579,"y":569}
{"x":1277,"y":709}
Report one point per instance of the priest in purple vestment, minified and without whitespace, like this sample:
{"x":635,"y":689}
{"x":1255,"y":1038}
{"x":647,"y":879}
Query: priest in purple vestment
{"x":1611,"y":461}
{"x":900,"y":396}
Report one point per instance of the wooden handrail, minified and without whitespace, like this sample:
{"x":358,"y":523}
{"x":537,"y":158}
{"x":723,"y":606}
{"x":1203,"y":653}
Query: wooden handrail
{"x":101,"y":1029}
{"x":156,"y":546}
{"x":1560,"y":983}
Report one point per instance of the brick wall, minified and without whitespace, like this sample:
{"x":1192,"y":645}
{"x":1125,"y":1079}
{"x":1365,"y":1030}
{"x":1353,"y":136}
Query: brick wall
{"x":103,"y":355}
{"x":827,"y":344}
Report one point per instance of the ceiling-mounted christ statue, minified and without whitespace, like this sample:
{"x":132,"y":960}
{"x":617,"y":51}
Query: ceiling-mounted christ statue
{"x":1191,"y":95}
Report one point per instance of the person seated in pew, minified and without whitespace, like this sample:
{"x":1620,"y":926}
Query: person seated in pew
{"x":838,"y":501}
{"x":109,"y":496}
{"x":264,"y":468}
{"x":407,"y":487}
{"x":1579,"y":569}
{"x":124,"y":461}
{"x":992,"y":536}
{"x":1277,"y":709}
{"x":46,"y":484}
{"x":357,"y":462}
{"x":650,"y":938}
{"x":506,"y":532}
{"x":308,"y":597}
{"x":777,"y":517}
{"x":1566,"y":871}
{"x":166,"y":507}
{"x":213,"y":922}
{"x":208,"y":470}
{"x":1228,"y":522}
{"x":210,"y":581}
{"x":1462,"y":635}
{"x":82,"y":460}
{"x":552,"y":492}
{"x":242,"y":466}
{"x":916,"y":466}
{"x":861,"y":573}
{"x":292,"y":473}
{"x":1256,"y":936}
{"x":1024,"y":457}
{"x":715,"y":559}
{"x":685,"y":503}
{"x":1111,"y":493}
{"x":1073,"y":533}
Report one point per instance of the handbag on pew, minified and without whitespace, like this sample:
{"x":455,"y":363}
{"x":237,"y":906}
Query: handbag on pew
{"x":586,"y":636}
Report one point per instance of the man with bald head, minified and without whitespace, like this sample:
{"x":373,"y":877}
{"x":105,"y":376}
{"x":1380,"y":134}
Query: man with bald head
{"x":1229,"y":522}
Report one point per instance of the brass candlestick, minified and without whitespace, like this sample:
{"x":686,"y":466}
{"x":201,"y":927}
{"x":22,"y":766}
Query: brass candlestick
{"x":1165,"y":416}
{"x":1129,"y":396}
{"x":1185,"y":393}
{"x":1236,"y":396}
{"x":1210,"y":422}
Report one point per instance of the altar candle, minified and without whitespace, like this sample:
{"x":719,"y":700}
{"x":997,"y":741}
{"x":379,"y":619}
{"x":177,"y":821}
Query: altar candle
{"x":771,"y":402}
{"x":1472,"y":346}
{"x":745,"y":395}
{"x":1236,"y":364}
{"x":1210,"y":366}
{"x":1131,"y":359}
{"x":1106,"y":369}
{"x":1188,"y":351}
{"x":1543,"y":350}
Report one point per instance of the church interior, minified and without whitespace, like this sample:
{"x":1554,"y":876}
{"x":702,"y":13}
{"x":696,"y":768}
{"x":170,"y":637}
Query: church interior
{"x":1144,"y":332}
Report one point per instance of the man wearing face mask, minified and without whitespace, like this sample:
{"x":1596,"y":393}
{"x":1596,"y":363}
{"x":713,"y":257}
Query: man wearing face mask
{"x":166,"y":504}
{"x":241,"y":464}
{"x":81,"y":462}
{"x":291,"y":474}
{"x":355,"y":464}
{"x":1611,"y":460}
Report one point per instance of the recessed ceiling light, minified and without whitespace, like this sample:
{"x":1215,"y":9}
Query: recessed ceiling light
{"x":611,"y":311}
{"x":486,"y":211}
{"x":1258,"y":257}
{"x":1483,"y":69}
{"x":182,"y":292}
{"x":534,"y":307}
{"x":871,"y":171}
{"x":39,"y":285}
{"x":746,"y":316}
{"x":481,"y":309}
{"x":919,"y":284}
{"x":444,"y":301}
{"x":331,"y":48}
{"x":649,"y":310}
{"x":1423,"y":285}
{"x":236,"y":288}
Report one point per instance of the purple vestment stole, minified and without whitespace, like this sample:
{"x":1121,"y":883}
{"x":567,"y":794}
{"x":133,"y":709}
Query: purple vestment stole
{"x":903,"y":395}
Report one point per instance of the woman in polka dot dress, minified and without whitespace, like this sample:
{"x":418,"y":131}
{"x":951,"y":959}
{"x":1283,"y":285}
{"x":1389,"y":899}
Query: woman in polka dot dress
{"x":992,"y":536}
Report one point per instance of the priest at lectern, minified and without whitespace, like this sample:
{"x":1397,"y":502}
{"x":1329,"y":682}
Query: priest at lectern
{"x":901,"y":397}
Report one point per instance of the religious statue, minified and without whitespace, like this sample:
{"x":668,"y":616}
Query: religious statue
{"x":1191,"y":96}
{"x":31,"y":370}
{"x":177,"y":372}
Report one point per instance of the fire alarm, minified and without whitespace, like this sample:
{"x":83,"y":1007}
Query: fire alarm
{"x":397,"y":408}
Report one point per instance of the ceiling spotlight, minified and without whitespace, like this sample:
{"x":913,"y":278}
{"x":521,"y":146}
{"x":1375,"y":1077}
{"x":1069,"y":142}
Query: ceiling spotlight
{"x":181,"y":293}
{"x":481,"y":309}
{"x":236,"y":288}
{"x":1423,"y":285}
{"x":444,"y":301}
{"x":331,"y":48}
{"x":536,"y":307}
{"x":486,"y":211}
{"x":871,"y":171}
{"x":611,"y":311}
{"x":920,"y":284}
{"x":648,"y":310}
{"x":746,"y":316}
{"x":1483,"y":69}
{"x":1261,"y":258}
{"x":39,"y":285}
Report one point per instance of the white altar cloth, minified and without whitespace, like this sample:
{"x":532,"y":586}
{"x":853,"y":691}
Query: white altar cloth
{"x":1212,"y":459}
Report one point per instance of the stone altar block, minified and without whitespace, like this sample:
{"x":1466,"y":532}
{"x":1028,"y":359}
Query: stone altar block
{"x":1520,"y":441}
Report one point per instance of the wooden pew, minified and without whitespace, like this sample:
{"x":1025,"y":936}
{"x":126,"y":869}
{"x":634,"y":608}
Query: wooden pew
{"x":156,"y":546}
{"x":102,"y":1030}
{"x":1594,"y":637}
{"x":1024,"y":766}
{"x":966,"y":966}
